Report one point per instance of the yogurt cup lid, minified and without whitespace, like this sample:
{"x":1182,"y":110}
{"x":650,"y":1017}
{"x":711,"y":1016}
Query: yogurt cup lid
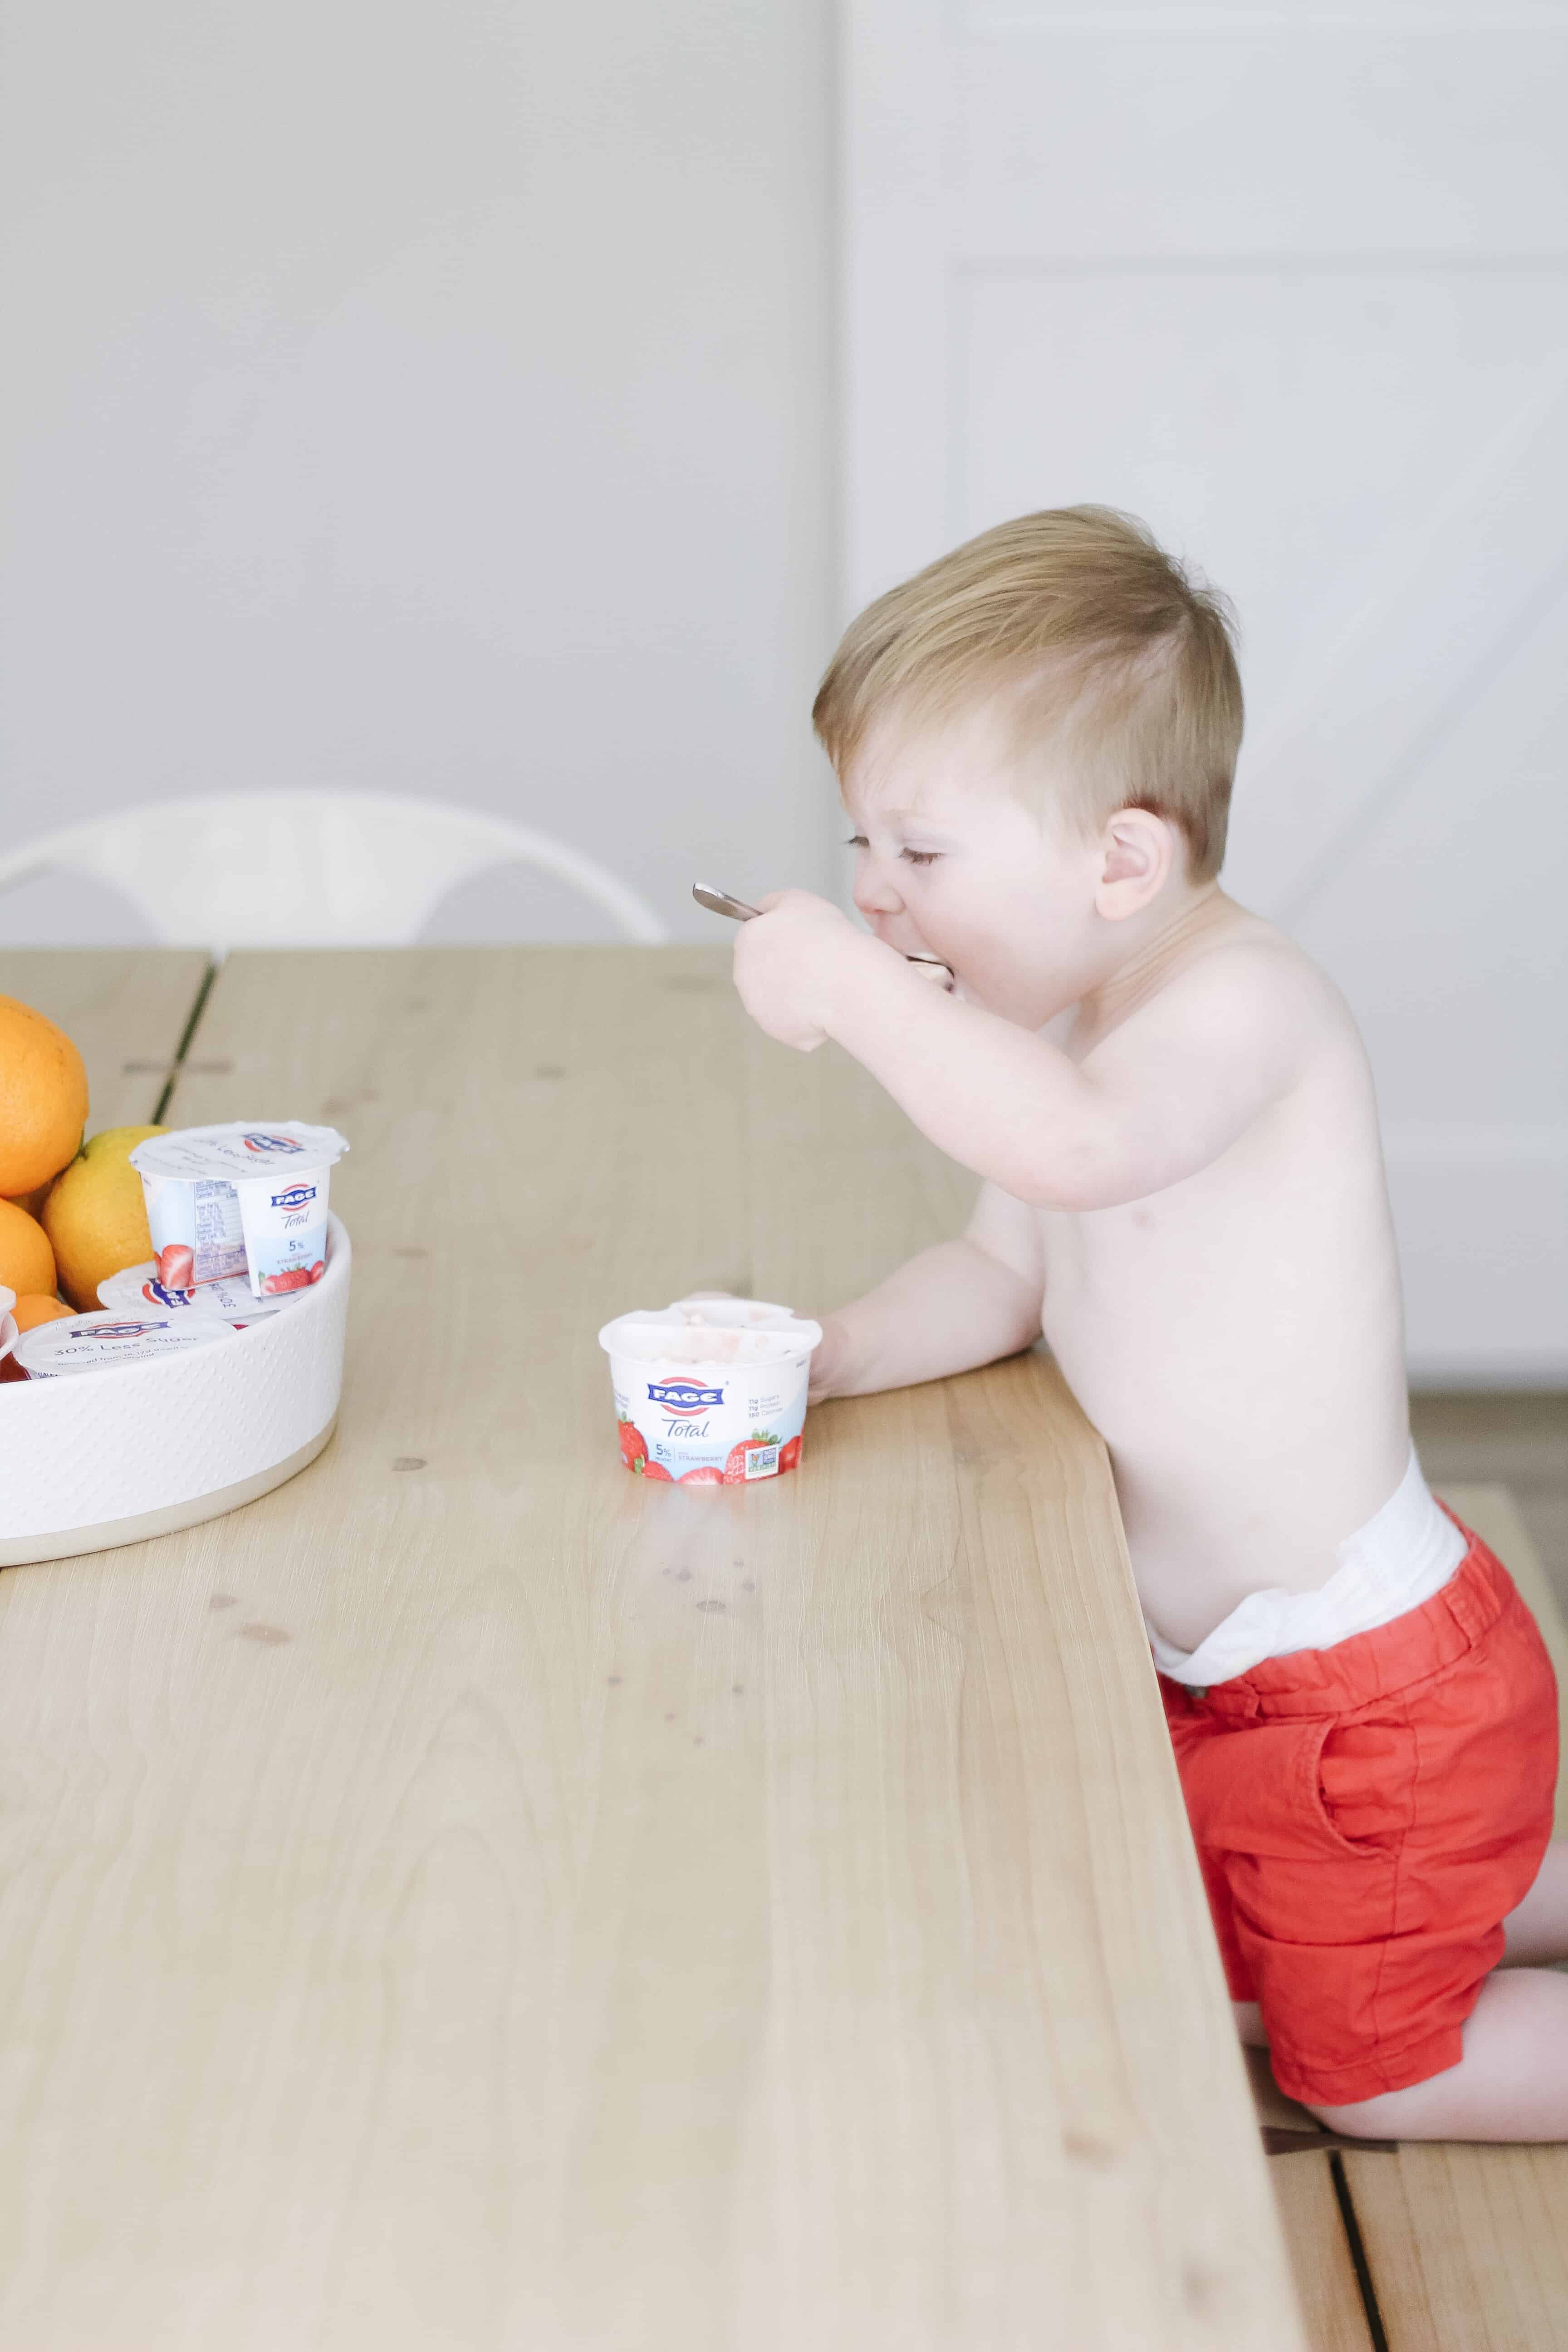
{"x":647,"y":1336}
{"x":241,"y":1150}
{"x":90,"y":1343}
{"x":136,"y":1291}
{"x":728,"y":1314}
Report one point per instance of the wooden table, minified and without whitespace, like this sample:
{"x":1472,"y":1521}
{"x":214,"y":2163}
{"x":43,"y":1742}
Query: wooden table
{"x":473,"y":1898}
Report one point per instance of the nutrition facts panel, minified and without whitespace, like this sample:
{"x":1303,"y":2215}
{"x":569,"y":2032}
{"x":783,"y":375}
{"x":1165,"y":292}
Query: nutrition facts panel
{"x":477,"y":1897}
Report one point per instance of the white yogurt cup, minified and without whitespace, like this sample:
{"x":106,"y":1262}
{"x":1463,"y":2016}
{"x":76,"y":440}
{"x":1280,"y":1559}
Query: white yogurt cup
{"x":94,"y":1343}
{"x":136,"y":1290}
{"x":246,"y":1199}
{"x":712,"y":1403}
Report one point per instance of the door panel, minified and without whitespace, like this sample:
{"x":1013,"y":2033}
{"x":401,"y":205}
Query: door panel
{"x":1292,"y":285}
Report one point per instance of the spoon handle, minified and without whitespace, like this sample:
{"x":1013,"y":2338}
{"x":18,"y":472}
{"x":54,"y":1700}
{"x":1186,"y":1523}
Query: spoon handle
{"x":719,"y":902}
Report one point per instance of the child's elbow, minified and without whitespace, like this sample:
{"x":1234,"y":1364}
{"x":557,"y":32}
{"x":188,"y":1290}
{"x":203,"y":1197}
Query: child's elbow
{"x":1087,"y":1172}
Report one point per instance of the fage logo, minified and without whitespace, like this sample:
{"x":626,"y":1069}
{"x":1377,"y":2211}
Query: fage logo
{"x":159,"y":1293}
{"x":265,"y":1143}
{"x":295,"y":1197}
{"x":680,"y":1399}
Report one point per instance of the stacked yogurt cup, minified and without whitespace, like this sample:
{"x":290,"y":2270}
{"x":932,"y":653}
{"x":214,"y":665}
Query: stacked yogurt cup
{"x":238,"y":1220}
{"x":238,"y":1199}
{"x":710,"y":1391}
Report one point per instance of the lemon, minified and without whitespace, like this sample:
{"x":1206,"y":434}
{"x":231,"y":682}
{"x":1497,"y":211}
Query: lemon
{"x":96,"y":1215}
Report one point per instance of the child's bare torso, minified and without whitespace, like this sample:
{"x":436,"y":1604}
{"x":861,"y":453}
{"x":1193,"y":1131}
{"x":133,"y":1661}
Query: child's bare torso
{"x":1238,"y":1340}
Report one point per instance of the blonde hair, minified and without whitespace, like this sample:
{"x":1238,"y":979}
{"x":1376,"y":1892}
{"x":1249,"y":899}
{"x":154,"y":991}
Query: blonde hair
{"x":1090,"y":635}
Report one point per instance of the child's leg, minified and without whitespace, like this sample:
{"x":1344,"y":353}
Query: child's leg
{"x":1537,"y":1934}
{"x":1537,"y":1931}
{"x":1510,"y":2085}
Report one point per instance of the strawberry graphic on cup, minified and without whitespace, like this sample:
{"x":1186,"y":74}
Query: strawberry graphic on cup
{"x":176,"y":1265}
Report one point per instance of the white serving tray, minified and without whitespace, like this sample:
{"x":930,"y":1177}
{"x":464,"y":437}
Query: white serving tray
{"x":138,"y":1450}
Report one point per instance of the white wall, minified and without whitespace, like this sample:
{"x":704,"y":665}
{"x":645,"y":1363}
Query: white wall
{"x":421,"y":395}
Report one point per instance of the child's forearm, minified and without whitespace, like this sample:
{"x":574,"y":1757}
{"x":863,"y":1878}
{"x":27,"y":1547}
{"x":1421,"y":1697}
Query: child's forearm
{"x":949,"y":1309}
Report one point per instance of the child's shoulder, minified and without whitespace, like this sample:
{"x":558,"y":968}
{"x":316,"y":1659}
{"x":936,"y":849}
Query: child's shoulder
{"x":1247,"y":962}
{"x":1245,"y":984}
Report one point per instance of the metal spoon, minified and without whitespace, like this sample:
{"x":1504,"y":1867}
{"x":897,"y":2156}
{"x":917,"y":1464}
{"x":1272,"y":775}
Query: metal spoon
{"x":719,"y":902}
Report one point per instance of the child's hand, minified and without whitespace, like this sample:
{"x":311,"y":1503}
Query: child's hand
{"x":829,"y":1359}
{"x":789,"y":962}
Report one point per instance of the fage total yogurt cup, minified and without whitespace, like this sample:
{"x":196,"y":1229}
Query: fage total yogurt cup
{"x":246,"y":1200}
{"x":711,"y":1403}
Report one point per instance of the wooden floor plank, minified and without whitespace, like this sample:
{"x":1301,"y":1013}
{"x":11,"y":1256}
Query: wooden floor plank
{"x":474,"y":1897}
{"x":1468,"y":2245}
{"x":1331,"y":2309}
{"x":1321,"y":2261}
{"x":125,"y":1009}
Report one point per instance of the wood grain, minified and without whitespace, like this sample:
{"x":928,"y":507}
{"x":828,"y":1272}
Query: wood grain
{"x":1468,"y":2245}
{"x":1332,"y":2313}
{"x":471,"y":1897}
{"x":1326,"y":2286}
{"x":125,"y":1009}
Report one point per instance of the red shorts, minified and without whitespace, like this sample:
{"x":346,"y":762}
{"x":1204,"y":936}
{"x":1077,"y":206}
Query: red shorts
{"x":1365,"y":1817}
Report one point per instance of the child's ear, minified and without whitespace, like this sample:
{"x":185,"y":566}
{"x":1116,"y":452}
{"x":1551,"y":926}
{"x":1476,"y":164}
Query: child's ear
{"x":1140,"y":852}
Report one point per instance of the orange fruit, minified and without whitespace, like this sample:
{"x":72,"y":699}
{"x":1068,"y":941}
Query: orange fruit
{"x":43,"y":1098}
{"x":35,"y":1310}
{"x":26,"y":1261}
{"x":96,"y":1215}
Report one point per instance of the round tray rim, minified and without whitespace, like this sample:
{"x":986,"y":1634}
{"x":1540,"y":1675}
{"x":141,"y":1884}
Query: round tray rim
{"x":340,"y":1257}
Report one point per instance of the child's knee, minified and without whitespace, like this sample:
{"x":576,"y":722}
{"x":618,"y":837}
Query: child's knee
{"x":1379,"y":2117}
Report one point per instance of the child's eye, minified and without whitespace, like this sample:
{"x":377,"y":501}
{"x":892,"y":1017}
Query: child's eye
{"x":921,"y":856}
{"x":856,"y":840}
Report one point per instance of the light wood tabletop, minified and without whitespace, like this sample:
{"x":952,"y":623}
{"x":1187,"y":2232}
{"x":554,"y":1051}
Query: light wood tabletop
{"x":475,"y":1898}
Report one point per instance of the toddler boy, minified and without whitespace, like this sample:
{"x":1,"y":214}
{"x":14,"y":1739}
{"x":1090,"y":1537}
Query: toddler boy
{"x":1173,"y":1115}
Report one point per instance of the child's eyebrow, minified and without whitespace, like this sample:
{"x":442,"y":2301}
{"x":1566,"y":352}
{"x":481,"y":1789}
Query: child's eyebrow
{"x":901,"y":821}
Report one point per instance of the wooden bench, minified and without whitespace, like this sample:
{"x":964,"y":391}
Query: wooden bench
{"x":1458,"y":2248}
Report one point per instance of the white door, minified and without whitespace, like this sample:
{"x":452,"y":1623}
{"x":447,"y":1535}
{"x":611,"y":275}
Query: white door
{"x":1292,"y":282}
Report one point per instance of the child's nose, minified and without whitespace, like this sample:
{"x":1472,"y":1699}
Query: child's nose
{"x":875,"y":895}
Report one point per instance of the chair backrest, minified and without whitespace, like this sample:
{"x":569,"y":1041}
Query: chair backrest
{"x":309,"y":870}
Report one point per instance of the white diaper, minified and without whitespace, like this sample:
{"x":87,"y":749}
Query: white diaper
{"x":1406,"y":1553}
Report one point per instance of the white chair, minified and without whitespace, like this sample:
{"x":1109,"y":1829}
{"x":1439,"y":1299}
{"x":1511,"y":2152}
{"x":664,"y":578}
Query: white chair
{"x":308,"y":869}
